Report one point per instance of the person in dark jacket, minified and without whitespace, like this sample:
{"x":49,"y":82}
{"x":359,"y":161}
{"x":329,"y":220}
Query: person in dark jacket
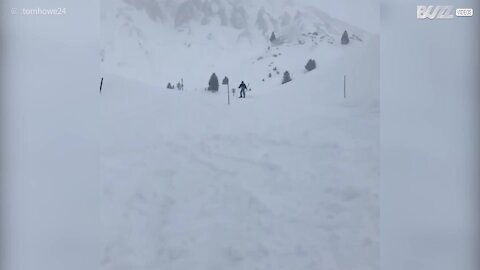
{"x":242,"y":89}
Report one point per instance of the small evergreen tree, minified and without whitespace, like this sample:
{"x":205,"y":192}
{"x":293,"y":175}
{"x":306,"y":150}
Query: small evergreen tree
{"x":345,"y":39}
{"x":225,"y":81}
{"x":269,"y":75}
{"x":286,"y":77}
{"x":311,"y":65}
{"x":213,"y":83}
{"x":273,"y":37}
{"x":169,"y":86}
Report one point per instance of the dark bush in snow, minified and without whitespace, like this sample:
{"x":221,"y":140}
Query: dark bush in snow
{"x":273,"y":37}
{"x":311,"y":65}
{"x":170,"y":86}
{"x":213,"y":83}
{"x":225,"y":80}
{"x":345,"y":39}
{"x":286,"y":77}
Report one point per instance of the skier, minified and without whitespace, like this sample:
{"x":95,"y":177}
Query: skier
{"x":242,"y":89}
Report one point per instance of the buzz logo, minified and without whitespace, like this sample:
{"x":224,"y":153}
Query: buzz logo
{"x":434,"y":12}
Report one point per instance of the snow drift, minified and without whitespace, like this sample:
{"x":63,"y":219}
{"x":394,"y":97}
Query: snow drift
{"x":284,"y":179}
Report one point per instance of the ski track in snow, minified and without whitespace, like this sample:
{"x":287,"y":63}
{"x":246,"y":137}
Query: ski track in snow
{"x":261,"y":198}
{"x":284,"y":179}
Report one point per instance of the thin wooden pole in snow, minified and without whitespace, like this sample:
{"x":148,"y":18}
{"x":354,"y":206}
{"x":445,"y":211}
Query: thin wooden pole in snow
{"x":344,"y":86}
{"x":226,"y":82}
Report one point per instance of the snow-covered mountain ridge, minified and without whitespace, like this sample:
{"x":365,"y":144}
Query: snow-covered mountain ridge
{"x":164,"y":40}
{"x":250,"y":17}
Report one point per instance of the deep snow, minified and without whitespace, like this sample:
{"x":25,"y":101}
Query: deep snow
{"x":284,"y":179}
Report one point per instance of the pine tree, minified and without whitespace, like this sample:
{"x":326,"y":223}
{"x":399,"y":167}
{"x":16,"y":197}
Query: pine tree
{"x":286,"y":77}
{"x":169,"y":86}
{"x":225,"y":80}
{"x":345,"y":39}
{"x":213,"y":83}
{"x":273,"y":37}
{"x":311,"y":65}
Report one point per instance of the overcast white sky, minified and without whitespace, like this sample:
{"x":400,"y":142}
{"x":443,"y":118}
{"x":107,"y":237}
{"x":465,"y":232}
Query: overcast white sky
{"x":361,"y":13}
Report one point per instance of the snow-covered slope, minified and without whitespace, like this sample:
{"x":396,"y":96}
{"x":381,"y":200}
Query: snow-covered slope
{"x":161,"y":41}
{"x":284,"y":179}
